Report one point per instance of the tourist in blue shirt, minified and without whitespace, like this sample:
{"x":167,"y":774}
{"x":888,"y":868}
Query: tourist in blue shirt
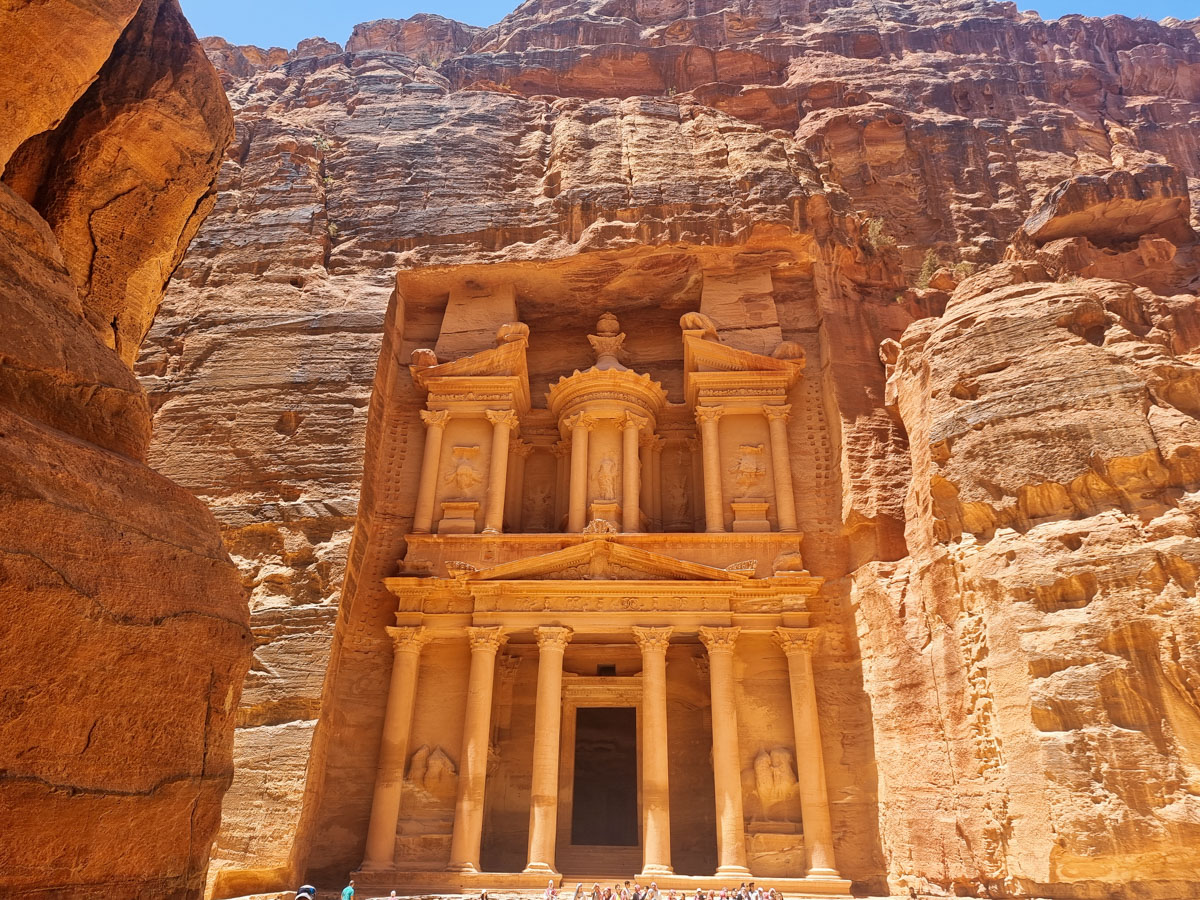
{"x":348,"y":891}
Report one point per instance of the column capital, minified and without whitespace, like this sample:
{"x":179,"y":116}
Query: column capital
{"x":489,"y":637}
{"x":555,"y":636}
{"x":501,"y":417}
{"x":521,"y":449}
{"x":630,"y":420}
{"x":692,"y":444}
{"x":795,"y":640}
{"x":649,"y":639}
{"x":719,"y":640}
{"x":777,"y":411}
{"x":408,"y":639}
{"x":580,"y":420}
{"x":709,"y":413}
{"x":654,"y":443}
{"x":433,"y":417}
{"x":561,"y":449}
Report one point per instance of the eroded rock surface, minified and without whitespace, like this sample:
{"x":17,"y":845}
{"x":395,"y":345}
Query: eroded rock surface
{"x":125,"y":634}
{"x":574,"y":142}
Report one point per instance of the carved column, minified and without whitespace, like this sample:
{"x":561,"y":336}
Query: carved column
{"x":656,"y":451}
{"x":580,"y":425}
{"x":631,"y":476}
{"x":781,"y":465}
{"x":435,"y":429}
{"x":472,"y":767}
{"x":543,"y":800}
{"x":503,"y":422}
{"x":562,"y":482}
{"x":714,"y":504}
{"x":656,"y":796}
{"x":697,"y":483}
{"x":393,"y":750}
{"x":518,"y":456}
{"x":727,"y":769}
{"x":797,"y":644}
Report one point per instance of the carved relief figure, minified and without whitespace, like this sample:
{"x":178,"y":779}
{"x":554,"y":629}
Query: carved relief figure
{"x":748,"y":469}
{"x":774,"y":779}
{"x":463,"y":475}
{"x":606,"y":478}
{"x":431,"y":770}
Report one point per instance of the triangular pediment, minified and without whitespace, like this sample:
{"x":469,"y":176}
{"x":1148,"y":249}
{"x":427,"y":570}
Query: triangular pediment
{"x":602,"y":560}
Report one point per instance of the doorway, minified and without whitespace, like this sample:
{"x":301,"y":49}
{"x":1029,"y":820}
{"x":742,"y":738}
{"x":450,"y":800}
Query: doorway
{"x":605,"y":808}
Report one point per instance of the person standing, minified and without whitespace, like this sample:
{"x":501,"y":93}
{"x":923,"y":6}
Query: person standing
{"x":348,"y":891}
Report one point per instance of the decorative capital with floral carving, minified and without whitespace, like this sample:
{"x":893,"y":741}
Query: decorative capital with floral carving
{"x":719,"y":640}
{"x":408,"y":640}
{"x":501,"y":417}
{"x":432,"y":417}
{"x":629,"y":420}
{"x":653,"y":443}
{"x":652,"y":639}
{"x":777,"y":411}
{"x":796,"y":640}
{"x":580,"y":420}
{"x":552,"y":636}
{"x":709,"y":414}
{"x":521,"y":449}
{"x":489,"y":637}
{"x":561,"y":448}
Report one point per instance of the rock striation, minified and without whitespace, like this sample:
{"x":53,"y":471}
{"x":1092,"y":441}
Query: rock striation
{"x":1005,"y":204}
{"x":125,"y":638}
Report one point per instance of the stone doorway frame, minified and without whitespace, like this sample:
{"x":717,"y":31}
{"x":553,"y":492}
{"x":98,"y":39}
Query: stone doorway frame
{"x":595,"y":691}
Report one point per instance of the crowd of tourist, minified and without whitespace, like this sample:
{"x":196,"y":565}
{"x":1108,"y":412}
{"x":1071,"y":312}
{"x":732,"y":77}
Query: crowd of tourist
{"x":635,"y":891}
{"x":620,"y":891}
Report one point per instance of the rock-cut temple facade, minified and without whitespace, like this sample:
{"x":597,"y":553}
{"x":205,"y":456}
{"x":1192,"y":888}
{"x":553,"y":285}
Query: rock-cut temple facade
{"x":603,"y":656}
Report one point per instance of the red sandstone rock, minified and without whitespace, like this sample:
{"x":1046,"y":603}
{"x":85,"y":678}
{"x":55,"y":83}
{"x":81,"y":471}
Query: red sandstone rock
{"x":428,"y":39}
{"x":125,"y":633}
{"x":575,"y":142}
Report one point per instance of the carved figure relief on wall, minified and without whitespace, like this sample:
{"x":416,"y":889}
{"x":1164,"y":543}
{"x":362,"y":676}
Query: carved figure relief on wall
{"x":463,"y":476}
{"x":748,"y":469}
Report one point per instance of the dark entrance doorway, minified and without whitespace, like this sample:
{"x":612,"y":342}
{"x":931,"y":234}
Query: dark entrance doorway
{"x":605,"y":809}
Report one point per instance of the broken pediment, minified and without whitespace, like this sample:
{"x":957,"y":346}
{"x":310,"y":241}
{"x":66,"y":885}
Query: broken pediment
{"x":600,"y":560}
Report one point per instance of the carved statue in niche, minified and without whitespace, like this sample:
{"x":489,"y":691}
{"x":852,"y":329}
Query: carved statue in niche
{"x":748,"y":469}
{"x":463,"y":475}
{"x":679,"y":515}
{"x":774,"y":780}
{"x":431,"y":771}
{"x":606,"y":478}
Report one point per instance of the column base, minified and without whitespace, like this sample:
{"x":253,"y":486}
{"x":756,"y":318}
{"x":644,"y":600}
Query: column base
{"x":823,"y":873}
{"x":491,"y":531}
{"x":369,"y":866}
{"x":654,"y":871}
{"x":715,"y":531}
{"x":739,"y":871}
{"x":463,"y":868}
{"x":540,"y":869}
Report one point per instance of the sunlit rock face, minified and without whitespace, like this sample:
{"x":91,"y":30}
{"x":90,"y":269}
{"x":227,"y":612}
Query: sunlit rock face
{"x":126,"y":630}
{"x":999,"y":500}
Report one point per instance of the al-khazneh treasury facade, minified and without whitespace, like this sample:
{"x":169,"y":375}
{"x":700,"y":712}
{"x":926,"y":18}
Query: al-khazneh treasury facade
{"x":560,"y":583}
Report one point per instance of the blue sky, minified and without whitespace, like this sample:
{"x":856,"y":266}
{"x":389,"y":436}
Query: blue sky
{"x":283,"y":23}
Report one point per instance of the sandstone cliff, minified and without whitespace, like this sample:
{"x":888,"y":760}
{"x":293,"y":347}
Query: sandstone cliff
{"x":125,"y":632}
{"x":862,"y":144}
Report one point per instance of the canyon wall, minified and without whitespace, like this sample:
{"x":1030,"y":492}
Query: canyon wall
{"x":125,"y":634}
{"x":615,"y":155}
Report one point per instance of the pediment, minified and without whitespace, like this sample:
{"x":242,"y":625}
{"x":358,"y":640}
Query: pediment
{"x":601,"y":560}
{"x":507,"y":359}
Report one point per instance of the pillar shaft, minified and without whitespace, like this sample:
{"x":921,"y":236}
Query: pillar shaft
{"x":727,"y":769}
{"x":577,"y":512}
{"x":656,"y":795}
{"x":472,"y":767}
{"x":503,"y":421}
{"x":781,"y":466}
{"x":516,"y":487}
{"x":797,"y":644}
{"x":562,"y":482}
{"x":631,"y":476}
{"x":393,"y":750}
{"x":435,"y":429}
{"x":714,"y":504}
{"x":543,"y":800}
{"x":656,"y":514}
